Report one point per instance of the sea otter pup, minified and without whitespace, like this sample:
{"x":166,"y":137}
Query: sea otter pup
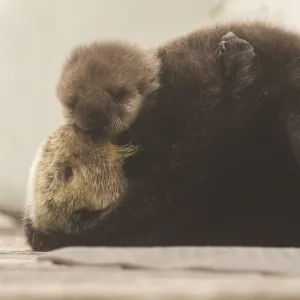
{"x":210,"y":112}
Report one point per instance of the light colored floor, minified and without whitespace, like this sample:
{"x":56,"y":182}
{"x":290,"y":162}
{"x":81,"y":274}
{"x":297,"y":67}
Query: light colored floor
{"x":23,"y":276}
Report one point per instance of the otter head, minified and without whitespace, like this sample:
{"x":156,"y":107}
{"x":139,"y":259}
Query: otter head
{"x":103,"y":86}
{"x":73,"y":179}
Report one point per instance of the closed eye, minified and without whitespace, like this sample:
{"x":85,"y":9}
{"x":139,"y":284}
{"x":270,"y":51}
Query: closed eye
{"x":72,"y":102}
{"x":119,"y":94}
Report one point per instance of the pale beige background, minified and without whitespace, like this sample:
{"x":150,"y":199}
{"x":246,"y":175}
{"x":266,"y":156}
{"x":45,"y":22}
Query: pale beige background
{"x":36,"y":36}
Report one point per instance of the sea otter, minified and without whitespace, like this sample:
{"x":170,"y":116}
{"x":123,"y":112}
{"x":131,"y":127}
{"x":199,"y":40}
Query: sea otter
{"x":212,"y":114}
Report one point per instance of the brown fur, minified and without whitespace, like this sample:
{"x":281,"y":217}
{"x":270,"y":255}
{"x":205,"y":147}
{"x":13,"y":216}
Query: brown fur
{"x":93,"y":97}
{"x":215,"y":166}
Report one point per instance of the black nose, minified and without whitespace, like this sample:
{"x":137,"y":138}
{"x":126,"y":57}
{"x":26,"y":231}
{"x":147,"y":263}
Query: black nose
{"x":90,"y":117}
{"x":84,"y":215}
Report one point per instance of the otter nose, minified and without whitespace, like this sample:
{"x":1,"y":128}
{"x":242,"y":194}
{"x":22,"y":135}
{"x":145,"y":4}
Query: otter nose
{"x":90,"y":118}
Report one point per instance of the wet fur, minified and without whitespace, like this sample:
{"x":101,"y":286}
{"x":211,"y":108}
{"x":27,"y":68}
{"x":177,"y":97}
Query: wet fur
{"x":216,"y":166}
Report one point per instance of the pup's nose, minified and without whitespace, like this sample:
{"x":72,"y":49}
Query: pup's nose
{"x":90,"y":118}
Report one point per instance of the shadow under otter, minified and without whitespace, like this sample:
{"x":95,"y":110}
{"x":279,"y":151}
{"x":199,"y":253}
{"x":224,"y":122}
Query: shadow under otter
{"x":219,"y":141}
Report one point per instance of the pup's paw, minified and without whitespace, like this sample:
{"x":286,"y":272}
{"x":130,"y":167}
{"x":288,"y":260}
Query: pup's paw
{"x":235,"y":52}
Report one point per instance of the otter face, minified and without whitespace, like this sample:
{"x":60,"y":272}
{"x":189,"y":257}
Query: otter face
{"x":103,"y":85}
{"x":73,"y":179}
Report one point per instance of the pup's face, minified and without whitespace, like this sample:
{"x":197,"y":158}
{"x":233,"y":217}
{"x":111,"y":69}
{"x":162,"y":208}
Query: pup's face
{"x":103,"y":85}
{"x":73,"y":179}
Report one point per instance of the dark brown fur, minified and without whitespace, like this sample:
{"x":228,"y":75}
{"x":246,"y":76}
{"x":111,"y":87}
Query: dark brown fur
{"x":216,"y":166}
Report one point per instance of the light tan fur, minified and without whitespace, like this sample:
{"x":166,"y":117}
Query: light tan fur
{"x":97,"y":179}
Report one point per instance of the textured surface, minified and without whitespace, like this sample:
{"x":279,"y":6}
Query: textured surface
{"x":268,"y":261}
{"x":102,"y":284}
{"x":28,"y":275}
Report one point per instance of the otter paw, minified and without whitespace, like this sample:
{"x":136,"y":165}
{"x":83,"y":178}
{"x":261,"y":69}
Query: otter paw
{"x":230,"y":44}
{"x":235,"y":52}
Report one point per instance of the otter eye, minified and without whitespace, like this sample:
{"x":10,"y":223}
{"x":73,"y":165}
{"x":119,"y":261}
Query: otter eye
{"x":72,"y":102}
{"x":68,"y":173}
{"x":119,"y":94}
{"x":141,"y":87}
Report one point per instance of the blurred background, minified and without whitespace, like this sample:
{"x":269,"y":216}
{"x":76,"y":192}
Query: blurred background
{"x":37,"y":35}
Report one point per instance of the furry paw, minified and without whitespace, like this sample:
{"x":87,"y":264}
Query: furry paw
{"x":235,"y":52}
{"x":232,"y":44}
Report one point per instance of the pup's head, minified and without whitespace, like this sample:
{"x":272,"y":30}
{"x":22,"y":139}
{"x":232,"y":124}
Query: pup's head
{"x":73,"y":179}
{"x":103,"y":85}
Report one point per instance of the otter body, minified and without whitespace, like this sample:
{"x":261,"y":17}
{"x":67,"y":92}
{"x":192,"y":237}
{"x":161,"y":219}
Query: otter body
{"x":217,"y":161}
